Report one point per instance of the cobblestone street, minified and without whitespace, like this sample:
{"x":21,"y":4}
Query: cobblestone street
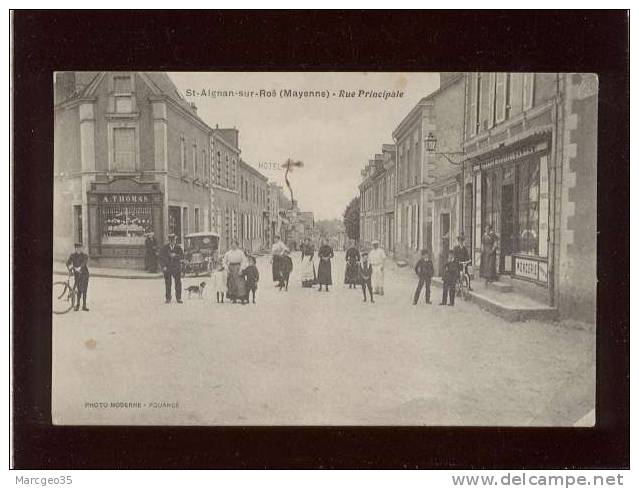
{"x":305,"y":357}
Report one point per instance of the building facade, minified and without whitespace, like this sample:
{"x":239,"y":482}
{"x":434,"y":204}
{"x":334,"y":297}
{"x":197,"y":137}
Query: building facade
{"x":224,"y":195}
{"x":531,"y":156}
{"x":130,"y":157}
{"x":377,"y":199}
{"x":253,"y":208}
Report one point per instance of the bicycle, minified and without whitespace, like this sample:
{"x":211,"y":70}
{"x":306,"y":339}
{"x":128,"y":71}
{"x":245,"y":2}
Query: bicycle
{"x":63,"y":295}
{"x":463,"y":284}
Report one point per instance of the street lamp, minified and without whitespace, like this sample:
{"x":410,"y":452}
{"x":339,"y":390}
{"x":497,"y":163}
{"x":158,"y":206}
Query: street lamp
{"x":431,"y":144}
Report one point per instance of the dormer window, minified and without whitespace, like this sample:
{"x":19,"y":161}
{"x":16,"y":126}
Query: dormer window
{"x":122,"y":91}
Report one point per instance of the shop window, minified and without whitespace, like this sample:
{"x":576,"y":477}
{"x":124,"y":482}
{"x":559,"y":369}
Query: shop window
{"x":125,"y":223}
{"x":528,"y":207}
{"x":124,"y":148}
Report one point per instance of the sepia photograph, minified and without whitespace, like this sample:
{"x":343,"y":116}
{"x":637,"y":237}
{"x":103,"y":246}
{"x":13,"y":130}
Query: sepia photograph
{"x":324,"y":248}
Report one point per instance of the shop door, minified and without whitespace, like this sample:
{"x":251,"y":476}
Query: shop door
{"x":445,"y":237}
{"x":175,"y":222}
{"x":507,"y":227}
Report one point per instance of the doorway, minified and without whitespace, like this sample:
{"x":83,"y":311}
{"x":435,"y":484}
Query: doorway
{"x":175,"y":222}
{"x":444,"y":228}
{"x":507,"y":231}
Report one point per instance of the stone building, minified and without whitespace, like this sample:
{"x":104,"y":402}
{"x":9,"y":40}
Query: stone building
{"x":530,"y":163}
{"x":418,"y":170}
{"x":253,"y":208}
{"x":377,"y":199}
{"x":130,"y":157}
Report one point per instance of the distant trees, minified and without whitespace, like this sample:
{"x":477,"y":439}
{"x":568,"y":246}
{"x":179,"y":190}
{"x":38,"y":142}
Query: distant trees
{"x":351,"y":219}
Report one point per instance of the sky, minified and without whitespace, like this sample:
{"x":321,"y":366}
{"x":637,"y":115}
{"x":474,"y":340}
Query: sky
{"x":333,"y":137}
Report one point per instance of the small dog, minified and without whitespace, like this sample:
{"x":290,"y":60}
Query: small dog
{"x":196,"y":289}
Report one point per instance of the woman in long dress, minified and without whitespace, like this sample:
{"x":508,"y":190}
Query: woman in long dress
{"x":351,"y":276}
{"x":235,"y":261}
{"x":276,"y":253}
{"x":308,"y":264}
{"x":488,"y":264}
{"x":377,"y":258}
{"x":325,"y":255}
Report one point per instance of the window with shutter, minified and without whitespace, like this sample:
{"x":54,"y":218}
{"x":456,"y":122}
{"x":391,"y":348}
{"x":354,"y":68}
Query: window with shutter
{"x":491,"y":99}
{"x":529,"y":90}
{"x":500,"y":96}
{"x":122,"y":84}
{"x":515,"y":98}
{"x":182,"y":154}
{"x":473,"y":104}
{"x":124,"y":148}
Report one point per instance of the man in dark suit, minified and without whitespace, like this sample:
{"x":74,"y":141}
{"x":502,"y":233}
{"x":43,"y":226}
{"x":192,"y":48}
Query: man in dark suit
{"x":78,"y":263}
{"x":461,"y":255}
{"x":171,"y":256}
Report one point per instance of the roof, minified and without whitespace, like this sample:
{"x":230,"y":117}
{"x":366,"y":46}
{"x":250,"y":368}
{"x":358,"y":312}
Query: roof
{"x":253,"y":170}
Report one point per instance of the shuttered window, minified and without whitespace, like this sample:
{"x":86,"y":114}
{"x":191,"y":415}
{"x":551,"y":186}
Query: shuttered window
{"x":473,"y":104}
{"x":529,"y":90}
{"x":491,"y":100}
{"x":501,"y":85}
{"x":124,"y":148}
{"x":515,"y":98}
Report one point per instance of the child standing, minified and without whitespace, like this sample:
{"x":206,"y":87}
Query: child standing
{"x":425,"y":271}
{"x":252,"y":277}
{"x":365,"y":273}
{"x":450,"y":276}
{"x":286,"y":267}
{"x":219,"y":282}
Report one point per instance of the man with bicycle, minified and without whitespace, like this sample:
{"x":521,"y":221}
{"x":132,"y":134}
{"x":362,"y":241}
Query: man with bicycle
{"x":462,"y":257}
{"x":77,"y":263}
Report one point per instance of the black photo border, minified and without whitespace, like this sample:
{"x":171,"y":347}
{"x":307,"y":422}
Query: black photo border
{"x":553,"y":41}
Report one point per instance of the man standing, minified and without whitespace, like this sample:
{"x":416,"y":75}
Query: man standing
{"x":171,"y":256}
{"x":461,"y":255}
{"x":377,"y":258}
{"x":78,"y":263}
{"x":425,"y":271}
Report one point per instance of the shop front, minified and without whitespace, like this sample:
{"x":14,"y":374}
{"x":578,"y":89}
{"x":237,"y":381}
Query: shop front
{"x":511,"y":195}
{"x":121,"y":214}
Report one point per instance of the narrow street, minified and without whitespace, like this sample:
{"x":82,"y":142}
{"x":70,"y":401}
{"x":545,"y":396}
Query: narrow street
{"x":303,"y":357}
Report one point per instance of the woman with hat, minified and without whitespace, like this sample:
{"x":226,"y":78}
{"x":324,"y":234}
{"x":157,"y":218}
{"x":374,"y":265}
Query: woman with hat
{"x":235,"y":261}
{"x":325,"y":255}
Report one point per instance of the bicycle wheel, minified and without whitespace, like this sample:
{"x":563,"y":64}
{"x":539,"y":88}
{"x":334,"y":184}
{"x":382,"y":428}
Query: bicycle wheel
{"x":62,"y":298}
{"x":465,"y":286}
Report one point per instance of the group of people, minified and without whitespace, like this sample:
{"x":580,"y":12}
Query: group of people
{"x":236,"y":276}
{"x":365,"y":269}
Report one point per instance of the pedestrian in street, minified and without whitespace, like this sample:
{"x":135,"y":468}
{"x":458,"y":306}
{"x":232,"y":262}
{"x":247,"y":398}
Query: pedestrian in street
{"x":450,"y":277}
{"x":365,"y":273}
{"x":425,"y":271}
{"x":324,"y":276}
{"x":219,"y":282}
{"x":308,"y":264}
{"x":150,"y":253}
{"x":351,"y":276}
{"x":377,"y":259}
{"x":171,"y":256}
{"x":252,"y":277}
{"x":276,"y":253}
{"x":286,"y":267}
{"x":235,"y":261}
{"x":461,"y":255}
{"x":488,"y":265}
{"x":77,"y":262}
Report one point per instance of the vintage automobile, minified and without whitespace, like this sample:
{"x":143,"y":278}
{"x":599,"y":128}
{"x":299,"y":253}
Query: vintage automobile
{"x":200,"y":253}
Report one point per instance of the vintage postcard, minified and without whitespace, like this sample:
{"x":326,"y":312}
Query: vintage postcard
{"x":288,"y":248}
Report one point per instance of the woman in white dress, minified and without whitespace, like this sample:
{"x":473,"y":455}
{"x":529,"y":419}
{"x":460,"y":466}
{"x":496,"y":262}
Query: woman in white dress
{"x":376,"y":258}
{"x":235,"y":261}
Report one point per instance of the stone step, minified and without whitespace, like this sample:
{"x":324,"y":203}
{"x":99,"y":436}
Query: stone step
{"x":501,"y":286}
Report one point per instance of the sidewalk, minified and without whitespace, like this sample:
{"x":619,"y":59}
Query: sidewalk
{"x":500,"y":299}
{"x":59,"y":268}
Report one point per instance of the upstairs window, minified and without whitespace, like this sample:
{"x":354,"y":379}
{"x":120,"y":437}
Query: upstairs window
{"x":183,"y":155}
{"x":122,"y":90}
{"x":124,"y":148}
{"x":529,"y":90}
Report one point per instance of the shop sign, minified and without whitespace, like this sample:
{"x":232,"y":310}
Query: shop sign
{"x":126,"y":199}
{"x":527,"y":268}
{"x":511,"y":156}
